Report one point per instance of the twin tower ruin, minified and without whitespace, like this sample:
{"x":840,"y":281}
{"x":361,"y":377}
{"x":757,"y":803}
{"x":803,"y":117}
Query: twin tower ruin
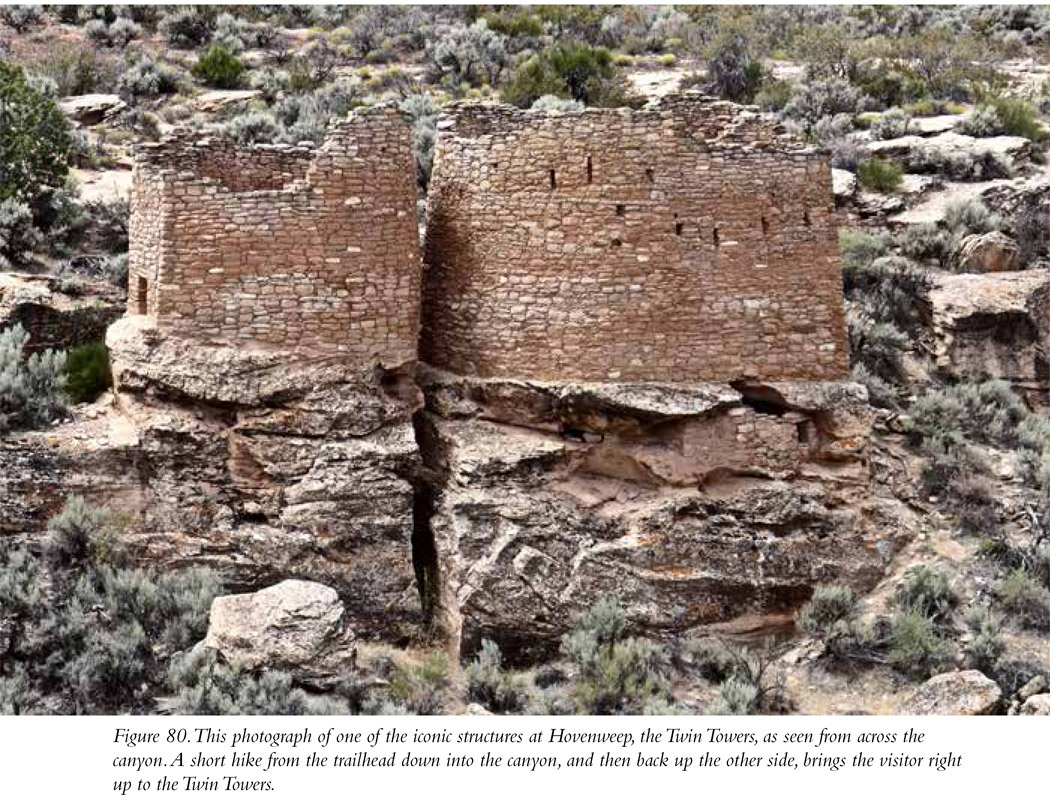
{"x":617,"y":366}
{"x":688,"y":241}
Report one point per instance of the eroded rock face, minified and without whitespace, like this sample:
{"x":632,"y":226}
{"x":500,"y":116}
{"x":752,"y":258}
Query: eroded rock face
{"x":957,"y":693}
{"x":996,"y":325}
{"x":263,"y":465}
{"x":296,"y":626}
{"x":691,"y":503}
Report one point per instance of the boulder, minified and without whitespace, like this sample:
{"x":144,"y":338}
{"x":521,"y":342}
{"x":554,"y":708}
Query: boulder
{"x":1036,"y":705}
{"x":988,"y":253}
{"x":296,"y":626}
{"x":90,"y":110}
{"x":938,"y":124}
{"x":957,"y":693}
{"x":1034,"y":686}
{"x":843,"y":183}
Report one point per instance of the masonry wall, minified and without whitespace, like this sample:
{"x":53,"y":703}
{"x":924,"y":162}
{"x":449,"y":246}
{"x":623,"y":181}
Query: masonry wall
{"x":311,"y":250}
{"x":691,"y":241}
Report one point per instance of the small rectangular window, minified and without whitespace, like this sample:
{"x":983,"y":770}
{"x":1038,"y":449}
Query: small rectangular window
{"x":141,"y":296}
{"x":649,"y":176}
{"x":554,"y":181}
{"x":590,"y":171}
{"x":620,"y":210}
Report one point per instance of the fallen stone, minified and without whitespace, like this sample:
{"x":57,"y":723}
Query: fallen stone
{"x":957,"y":693}
{"x":988,"y":253}
{"x":1033,"y":687}
{"x":938,"y":124}
{"x":296,"y":626}
{"x":1036,"y":705}
{"x":843,"y":183}
{"x":90,"y":110}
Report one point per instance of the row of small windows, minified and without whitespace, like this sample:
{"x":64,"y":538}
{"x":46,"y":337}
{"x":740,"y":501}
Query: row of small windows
{"x":650,"y":175}
{"x":621,"y":210}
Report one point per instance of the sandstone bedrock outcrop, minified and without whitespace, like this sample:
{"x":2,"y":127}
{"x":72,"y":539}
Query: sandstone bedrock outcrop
{"x":267,"y":465}
{"x":691,"y":503}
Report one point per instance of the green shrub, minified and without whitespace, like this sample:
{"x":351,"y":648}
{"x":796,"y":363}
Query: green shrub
{"x":989,"y":411}
{"x":970,"y":217}
{"x":146,"y":77}
{"x":891,"y":124}
{"x":30,"y":388}
{"x":489,"y":685}
{"x":928,"y":592}
{"x":879,"y":175}
{"x":974,"y":502}
{"x":568,"y":70}
{"x":924,"y":242}
{"x":858,"y":250}
{"x":734,"y":72}
{"x":218,"y":67}
{"x":962,"y":166}
{"x":188,"y":28}
{"x":986,"y":645}
{"x":422,"y":111}
{"x":1011,"y":116}
{"x":735,"y":698}
{"x":19,"y":236}
{"x":421,"y":688}
{"x":205,"y":687}
{"x":249,"y":128}
{"x":36,"y":147}
{"x":89,"y":635}
{"x":87,"y":372}
{"x":712,"y":660}
{"x":79,"y":535}
{"x":22,"y":18}
{"x":1022,"y":596}
{"x":830,"y":605}
{"x":614,"y":674}
{"x":915,"y":647}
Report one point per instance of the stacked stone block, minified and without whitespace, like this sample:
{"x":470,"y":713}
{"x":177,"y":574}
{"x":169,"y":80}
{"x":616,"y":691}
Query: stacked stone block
{"x":299,"y":248}
{"x":689,"y":241}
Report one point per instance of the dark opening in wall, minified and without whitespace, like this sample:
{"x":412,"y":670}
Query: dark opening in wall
{"x":765,"y":225}
{"x":649,"y":175}
{"x":141,"y":296}
{"x":620,"y":210}
{"x":616,"y":243}
{"x":554,"y":181}
{"x":806,"y":219}
{"x":590,"y":171}
{"x":714,"y":236}
{"x":803,"y":432}
{"x":679,"y":227}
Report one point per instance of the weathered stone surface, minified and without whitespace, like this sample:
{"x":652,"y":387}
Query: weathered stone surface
{"x":90,"y":110}
{"x":996,"y":325}
{"x":296,"y":626}
{"x":263,"y":464}
{"x":738,"y":505}
{"x":843,"y":184}
{"x":987,"y":253}
{"x":957,"y":693}
{"x":1033,"y":687}
{"x":1038,"y":705}
{"x":1016,"y":148}
{"x":937,"y":124}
